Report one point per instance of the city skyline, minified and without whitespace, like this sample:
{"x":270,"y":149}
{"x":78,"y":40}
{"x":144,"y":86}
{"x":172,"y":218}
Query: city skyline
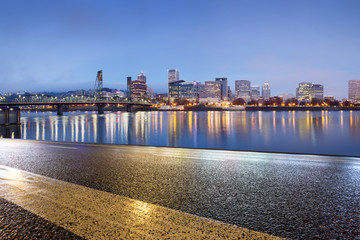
{"x":58,"y":46}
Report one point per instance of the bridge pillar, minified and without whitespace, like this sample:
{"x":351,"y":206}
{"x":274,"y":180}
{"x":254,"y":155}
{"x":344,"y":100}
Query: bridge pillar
{"x":9,"y":115}
{"x":128,"y":107}
{"x":60,"y":109}
{"x":101,"y":107}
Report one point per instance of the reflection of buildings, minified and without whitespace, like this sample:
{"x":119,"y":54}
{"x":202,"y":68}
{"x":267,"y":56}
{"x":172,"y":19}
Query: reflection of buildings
{"x":354,"y":124}
{"x":354,"y":90}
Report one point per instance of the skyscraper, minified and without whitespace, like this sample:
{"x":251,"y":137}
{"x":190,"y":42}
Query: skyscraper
{"x":210,"y":91}
{"x":255,"y":92}
{"x":317,"y":91}
{"x":354,"y":90}
{"x":242,"y":89}
{"x":303,"y":92}
{"x":173,"y":75}
{"x":142,"y":77}
{"x":266,"y":91}
{"x":308,"y":91}
{"x":224,"y":88}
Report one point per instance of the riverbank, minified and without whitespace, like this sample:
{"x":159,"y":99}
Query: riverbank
{"x":300,"y":108}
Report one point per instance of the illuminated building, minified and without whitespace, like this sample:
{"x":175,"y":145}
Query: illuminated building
{"x":307,"y":91}
{"x":174,"y":85}
{"x":224,"y":88}
{"x":317,"y":91}
{"x":138,"y":88}
{"x":354,"y":90}
{"x":210,"y":92}
{"x":190,"y":91}
{"x":142,"y":77}
{"x":173,"y":75}
{"x":175,"y":90}
{"x":266,"y":91}
{"x":303,"y":92}
{"x":255,"y":92}
{"x":242,"y":89}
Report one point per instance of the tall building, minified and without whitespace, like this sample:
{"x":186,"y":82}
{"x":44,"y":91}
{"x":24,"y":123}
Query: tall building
{"x":354,"y":90}
{"x":303,"y":92}
{"x":128,"y":88}
{"x":142,"y":77}
{"x":307,"y":91}
{"x":224,"y":88}
{"x":175,"y":90}
{"x":174,"y":86}
{"x":266,"y":91}
{"x":210,"y":92}
{"x":138,"y":88}
{"x":190,"y":91}
{"x":255,"y":92}
{"x":317,"y":91}
{"x":173,"y":75}
{"x":242,"y":89}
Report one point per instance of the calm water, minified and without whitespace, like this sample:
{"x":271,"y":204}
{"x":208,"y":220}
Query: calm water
{"x":301,"y":132}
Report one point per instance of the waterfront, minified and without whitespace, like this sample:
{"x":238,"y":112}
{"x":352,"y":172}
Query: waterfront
{"x":322,"y":132}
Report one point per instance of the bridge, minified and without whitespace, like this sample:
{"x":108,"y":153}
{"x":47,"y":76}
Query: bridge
{"x":10,"y":111}
{"x":10,"y":106}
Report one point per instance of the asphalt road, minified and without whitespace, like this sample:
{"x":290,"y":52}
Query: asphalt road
{"x":291,"y":196}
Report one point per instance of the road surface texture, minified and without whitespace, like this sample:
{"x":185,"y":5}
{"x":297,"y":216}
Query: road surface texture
{"x":101,"y":191}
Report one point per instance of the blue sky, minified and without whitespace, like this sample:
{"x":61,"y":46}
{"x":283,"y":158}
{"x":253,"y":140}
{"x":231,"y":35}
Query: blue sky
{"x":60,"y":45}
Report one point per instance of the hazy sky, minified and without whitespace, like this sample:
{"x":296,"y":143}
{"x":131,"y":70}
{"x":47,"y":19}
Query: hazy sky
{"x":60,"y":45}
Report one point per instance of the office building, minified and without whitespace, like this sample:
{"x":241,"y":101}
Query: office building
{"x":354,"y":90}
{"x":210,"y":92}
{"x":173,"y":75}
{"x":266,"y":91}
{"x":138,"y":88}
{"x":317,"y":91}
{"x":190,"y":91}
{"x":303,"y":92}
{"x":308,"y":91}
{"x":224,"y":88}
{"x":255,"y":92}
{"x":175,"y":90}
{"x":142,"y":77}
{"x":242,"y":89}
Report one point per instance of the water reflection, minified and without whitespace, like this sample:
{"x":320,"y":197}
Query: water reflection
{"x":308,"y":132}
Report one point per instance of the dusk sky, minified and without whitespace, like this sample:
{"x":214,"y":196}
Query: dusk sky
{"x":60,"y":45}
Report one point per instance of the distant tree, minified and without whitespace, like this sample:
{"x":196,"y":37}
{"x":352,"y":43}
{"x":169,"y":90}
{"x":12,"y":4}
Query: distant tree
{"x":302,"y":103}
{"x":291,"y":101}
{"x":238,"y":101}
{"x":316,"y":101}
{"x":253,"y":102}
{"x":346,"y":103}
{"x":276,"y":101}
{"x":332,"y":103}
{"x":266,"y":103}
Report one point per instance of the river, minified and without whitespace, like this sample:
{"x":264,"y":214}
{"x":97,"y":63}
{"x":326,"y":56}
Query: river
{"x":322,"y":132}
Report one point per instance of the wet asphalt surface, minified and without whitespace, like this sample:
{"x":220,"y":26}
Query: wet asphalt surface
{"x":17,"y":223}
{"x":291,"y":196}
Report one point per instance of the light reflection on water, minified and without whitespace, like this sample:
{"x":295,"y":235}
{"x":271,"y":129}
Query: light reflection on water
{"x":303,"y":132}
